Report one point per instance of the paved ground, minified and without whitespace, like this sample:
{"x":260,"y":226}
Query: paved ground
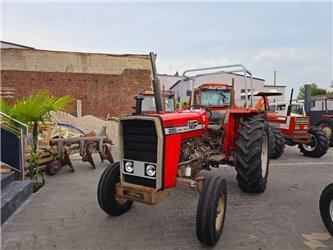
{"x":65,"y":214}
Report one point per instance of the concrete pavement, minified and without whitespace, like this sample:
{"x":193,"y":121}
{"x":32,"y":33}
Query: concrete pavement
{"x":65,"y":213}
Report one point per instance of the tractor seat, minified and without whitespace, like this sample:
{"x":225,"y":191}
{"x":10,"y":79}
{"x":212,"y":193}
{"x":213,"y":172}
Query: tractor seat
{"x":217,"y":118}
{"x":214,"y":127}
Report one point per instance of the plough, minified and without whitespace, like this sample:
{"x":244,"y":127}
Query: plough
{"x":86,"y":145}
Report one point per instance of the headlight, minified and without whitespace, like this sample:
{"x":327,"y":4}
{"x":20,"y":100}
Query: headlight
{"x":150,"y":170}
{"x":129,"y":167}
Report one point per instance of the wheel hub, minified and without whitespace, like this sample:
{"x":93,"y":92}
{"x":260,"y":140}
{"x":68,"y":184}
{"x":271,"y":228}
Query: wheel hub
{"x":264,"y":155}
{"x":327,"y":131}
{"x":312,"y":145}
{"x":220,"y":212}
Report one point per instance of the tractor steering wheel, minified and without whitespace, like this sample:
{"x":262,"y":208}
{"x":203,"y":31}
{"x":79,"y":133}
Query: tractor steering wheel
{"x":196,"y":106}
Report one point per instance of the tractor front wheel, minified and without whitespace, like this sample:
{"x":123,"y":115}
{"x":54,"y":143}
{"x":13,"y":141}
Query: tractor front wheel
{"x":277,"y":143}
{"x":211,"y":210}
{"x":252,"y":154}
{"x":318,"y":145}
{"x":106,"y":192}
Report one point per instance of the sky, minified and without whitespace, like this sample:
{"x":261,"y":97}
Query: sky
{"x":295,"y":39}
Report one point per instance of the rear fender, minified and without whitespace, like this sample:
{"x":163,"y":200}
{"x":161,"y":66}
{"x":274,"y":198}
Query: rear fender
{"x":232,"y":124}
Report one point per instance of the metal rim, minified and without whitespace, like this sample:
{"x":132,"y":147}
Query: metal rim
{"x":220,"y":212}
{"x":327,"y":130}
{"x":264,"y":155}
{"x":312,"y":145}
{"x":121,"y":200}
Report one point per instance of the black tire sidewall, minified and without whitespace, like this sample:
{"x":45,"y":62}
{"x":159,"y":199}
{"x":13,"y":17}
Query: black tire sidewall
{"x":324,"y":207}
{"x":220,"y":187}
{"x":206,"y":210}
{"x":322,"y":144}
{"x":106,"y":191}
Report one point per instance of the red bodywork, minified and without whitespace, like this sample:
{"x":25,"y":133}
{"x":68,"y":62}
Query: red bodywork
{"x":175,"y":125}
{"x":176,"y":128}
{"x":294,"y":128}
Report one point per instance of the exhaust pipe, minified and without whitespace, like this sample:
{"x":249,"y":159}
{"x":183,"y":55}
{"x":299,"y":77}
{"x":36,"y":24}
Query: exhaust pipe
{"x":290,"y":102}
{"x":156,"y":84}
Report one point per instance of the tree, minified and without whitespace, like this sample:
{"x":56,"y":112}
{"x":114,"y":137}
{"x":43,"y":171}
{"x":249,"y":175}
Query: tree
{"x":315,"y":90}
{"x":34,"y":110}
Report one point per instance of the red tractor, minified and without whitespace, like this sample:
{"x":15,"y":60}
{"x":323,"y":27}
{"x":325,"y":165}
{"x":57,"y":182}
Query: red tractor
{"x":158,"y":150}
{"x":293,"y":128}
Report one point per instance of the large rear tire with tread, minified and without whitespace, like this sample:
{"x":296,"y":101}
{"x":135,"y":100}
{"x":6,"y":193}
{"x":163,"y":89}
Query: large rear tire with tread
{"x":326,"y":207}
{"x":277,"y":143}
{"x":106,"y":192}
{"x":252,"y":154}
{"x":318,"y":146}
{"x":211,"y":210}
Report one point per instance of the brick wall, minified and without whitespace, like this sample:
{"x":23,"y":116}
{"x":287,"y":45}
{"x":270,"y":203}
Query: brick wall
{"x":105,"y":83}
{"x":100,"y":93}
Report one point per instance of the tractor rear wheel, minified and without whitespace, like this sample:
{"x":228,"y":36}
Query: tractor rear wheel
{"x":211,"y":210}
{"x":326,"y":207}
{"x":318,"y":146}
{"x":252,"y":154}
{"x":327,"y":128}
{"x":277,"y":143}
{"x":106,"y":192}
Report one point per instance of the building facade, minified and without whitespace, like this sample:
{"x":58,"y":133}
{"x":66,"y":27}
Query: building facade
{"x":101,"y":83}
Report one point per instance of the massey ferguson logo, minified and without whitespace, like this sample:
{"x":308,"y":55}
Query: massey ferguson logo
{"x":192,"y":124}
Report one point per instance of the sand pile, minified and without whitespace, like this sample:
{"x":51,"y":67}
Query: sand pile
{"x":88,"y":123}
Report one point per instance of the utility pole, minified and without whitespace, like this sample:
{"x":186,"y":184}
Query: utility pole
{"x":274,"y":77}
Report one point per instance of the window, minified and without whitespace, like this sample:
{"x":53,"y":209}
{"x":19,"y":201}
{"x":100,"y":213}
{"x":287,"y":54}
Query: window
{"x":281,"y":107}
{"x":196,"y":98}
{"x":297,"y":109}
{"x":148,"y":104}
{"x":215,"y":97}
{"x":272,"y":108}
{"x":169,"y":104}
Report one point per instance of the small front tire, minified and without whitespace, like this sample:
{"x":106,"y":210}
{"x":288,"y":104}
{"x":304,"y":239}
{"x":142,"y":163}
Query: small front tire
{"x":211,"y":210}
{"x":318,"y":146}
{"x":106,"y":192}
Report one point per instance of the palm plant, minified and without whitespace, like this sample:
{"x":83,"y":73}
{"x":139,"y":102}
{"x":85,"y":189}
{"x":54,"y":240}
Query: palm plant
{"x":34,"y":110}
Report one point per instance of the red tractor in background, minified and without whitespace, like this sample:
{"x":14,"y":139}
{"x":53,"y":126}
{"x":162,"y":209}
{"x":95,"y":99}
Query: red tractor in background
{"x":159,"y":149}
{"x":293,"y":129}
{"x":148,"y":105}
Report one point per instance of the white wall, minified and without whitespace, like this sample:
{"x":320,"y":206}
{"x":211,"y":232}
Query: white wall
{"x":277,"y":89}
{"x":168,"y":80}
{"x":320,"y":105}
